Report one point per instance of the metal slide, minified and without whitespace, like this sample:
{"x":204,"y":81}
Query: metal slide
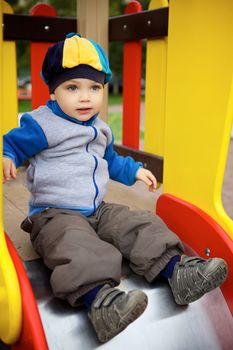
{"x":204,"y":324}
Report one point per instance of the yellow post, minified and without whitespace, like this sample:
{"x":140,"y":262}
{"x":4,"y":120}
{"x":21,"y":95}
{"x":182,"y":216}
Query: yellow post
{"x":199,"y":103}
{"x":9,"y":93}
{"x":156,"y":69}
{"x":10,"y":298}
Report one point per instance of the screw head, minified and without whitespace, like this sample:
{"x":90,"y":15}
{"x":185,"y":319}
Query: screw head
{"x":207,"y":251}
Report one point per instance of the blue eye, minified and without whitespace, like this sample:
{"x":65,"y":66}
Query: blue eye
{"x":96,"y":87}
{"x":72,"y":87}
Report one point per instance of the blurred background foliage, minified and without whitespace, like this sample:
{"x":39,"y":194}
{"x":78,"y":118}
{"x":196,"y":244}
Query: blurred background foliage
{"x":68,"y":9}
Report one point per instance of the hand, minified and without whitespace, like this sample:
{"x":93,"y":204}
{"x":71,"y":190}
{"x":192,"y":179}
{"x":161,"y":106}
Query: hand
{"x":148,"y":178}
{"x":9,"y":169}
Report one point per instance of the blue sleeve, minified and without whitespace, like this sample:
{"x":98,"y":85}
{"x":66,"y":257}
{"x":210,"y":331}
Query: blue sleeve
{"x":24,"y":142}
{"x":121,"y":169}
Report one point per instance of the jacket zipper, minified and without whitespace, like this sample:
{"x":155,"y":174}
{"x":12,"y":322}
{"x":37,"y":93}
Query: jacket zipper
{"x":93,"y":175}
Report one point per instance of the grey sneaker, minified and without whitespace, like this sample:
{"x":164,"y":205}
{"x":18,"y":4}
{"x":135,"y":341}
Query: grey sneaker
{"x":193,"y":277}
{"x":113,"y":310}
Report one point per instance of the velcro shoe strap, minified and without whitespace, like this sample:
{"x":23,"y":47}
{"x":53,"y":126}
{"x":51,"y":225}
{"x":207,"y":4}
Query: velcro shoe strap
{"x":106,"y":297}
{"x":192,"y":260}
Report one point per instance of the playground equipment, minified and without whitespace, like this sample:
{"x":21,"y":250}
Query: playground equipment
{"x":10,"y":298}
{"x":189,"y":109}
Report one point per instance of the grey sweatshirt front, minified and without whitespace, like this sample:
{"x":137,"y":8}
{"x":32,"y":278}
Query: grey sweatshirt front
{"x":70,"y":163}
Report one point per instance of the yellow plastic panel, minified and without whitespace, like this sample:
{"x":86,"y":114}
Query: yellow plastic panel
{"x":199,"y":103}
{"x":9,"y":75}
{"x":10,"y":298}
{"x":156,"y":63}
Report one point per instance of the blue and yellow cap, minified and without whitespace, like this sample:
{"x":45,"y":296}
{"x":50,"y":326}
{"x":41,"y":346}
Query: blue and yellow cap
{"x":75,"y":57}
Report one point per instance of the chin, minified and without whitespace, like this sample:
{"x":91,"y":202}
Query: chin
{"x":83,"y":119}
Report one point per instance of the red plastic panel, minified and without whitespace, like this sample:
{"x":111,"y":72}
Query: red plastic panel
{"x":40,"y":92}
{"x":132,"y":62}
{"x":32,"y":335}
{"x":199,"y":231}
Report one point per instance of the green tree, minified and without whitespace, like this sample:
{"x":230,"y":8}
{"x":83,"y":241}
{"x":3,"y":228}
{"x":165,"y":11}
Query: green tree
{"x":66,"y":9}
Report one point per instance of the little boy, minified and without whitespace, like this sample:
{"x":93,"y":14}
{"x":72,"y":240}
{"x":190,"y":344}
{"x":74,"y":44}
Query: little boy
{"x":81,"y":238}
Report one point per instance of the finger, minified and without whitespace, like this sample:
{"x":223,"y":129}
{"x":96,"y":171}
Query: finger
{"x":13,"y":171}
{"x":153,"y":181}
{"x":147,"y":180}
{"x":6,"y":173}
{"x":152,"y":188}
{"x":151,"y":185}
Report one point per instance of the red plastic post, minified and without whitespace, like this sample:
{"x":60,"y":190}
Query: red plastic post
{"x":40,"y":92}
{"x":32,"y":335}
{"x":132,"y":66}
{"x":199,"y":231}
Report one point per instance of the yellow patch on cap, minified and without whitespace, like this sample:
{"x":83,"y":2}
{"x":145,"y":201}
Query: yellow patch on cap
{"x":78,"y":51}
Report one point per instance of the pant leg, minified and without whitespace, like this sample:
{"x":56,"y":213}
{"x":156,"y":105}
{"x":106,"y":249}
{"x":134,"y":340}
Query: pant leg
{"x":141,"y":237}
{"x":70,"y":247}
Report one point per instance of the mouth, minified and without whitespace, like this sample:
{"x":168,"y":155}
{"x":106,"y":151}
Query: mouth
{"x":84,"y":110}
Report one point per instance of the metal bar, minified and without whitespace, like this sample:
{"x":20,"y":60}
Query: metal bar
{"x":150,"y":161}
{"x":145,"y":24}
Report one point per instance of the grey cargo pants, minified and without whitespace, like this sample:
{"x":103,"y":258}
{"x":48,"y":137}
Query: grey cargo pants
{"x":84,"y":252}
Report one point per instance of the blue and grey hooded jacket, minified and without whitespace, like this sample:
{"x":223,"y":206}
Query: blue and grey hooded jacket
{"x":70,"y":161}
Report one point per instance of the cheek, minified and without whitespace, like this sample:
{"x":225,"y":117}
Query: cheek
{"x":66,"y":101}
{"x":65,"y":106}
{"x":100,"y":99}
{"x":98,"y":105}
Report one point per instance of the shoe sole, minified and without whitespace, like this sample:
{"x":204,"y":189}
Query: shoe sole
{"x":129,"y":318}
{"x":213,"y":280}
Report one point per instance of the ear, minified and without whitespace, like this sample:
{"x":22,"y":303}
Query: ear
{"x":53,"y":97}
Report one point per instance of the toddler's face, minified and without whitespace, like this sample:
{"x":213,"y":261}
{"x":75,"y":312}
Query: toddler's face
{"x":79,"y":98}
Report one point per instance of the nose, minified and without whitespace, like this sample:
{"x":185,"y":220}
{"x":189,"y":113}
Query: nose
{"x":84,"y":95}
